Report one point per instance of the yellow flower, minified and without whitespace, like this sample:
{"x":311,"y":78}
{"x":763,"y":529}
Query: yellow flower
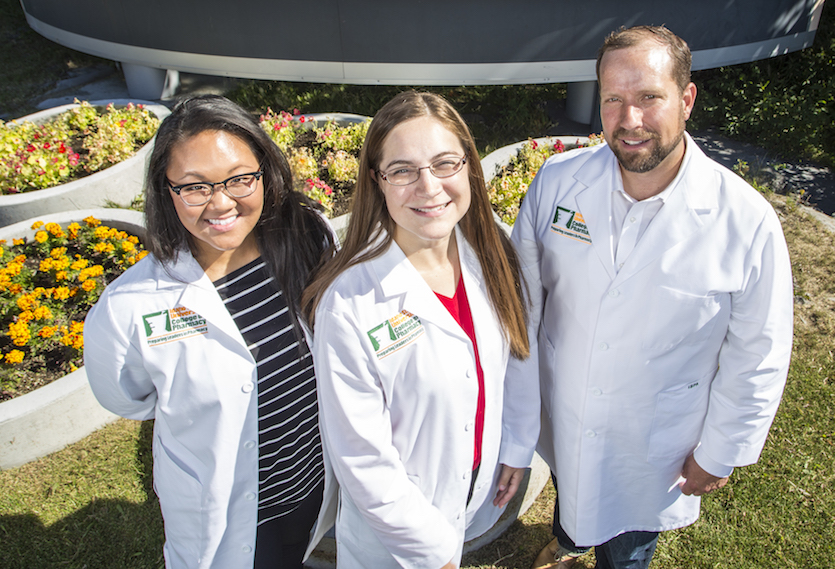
{"x":46,"y":265}
{"x":61,"y":276}
{"x":2,"y":242}
{"x":88,"y":285}
{"x":127,"y":246}
{"x":14,"y":357}
{"x":27,"y":302}
{"x":15,"y":288}
{"x":133,"y":239}
{"x":141,"y":255}
{"x":100,"y":247}
{"x":16,"y":241}
{"x":41,"y":236}
{"x":37,"y":224}
{"x":55,"y":229}
{"x":91,"y":221}
{"x":19,"y":333}
{"x":73,"y":367}
{"x":109,"y":248}
{"x":47,"y":331}
{"x":61,"y":263}
{"x":76,"y":327}
{"x":79,"y":264}
{"x":61,"y":293}
{"x":43,"y":313}
{"x":73,"y":228}
{"x":58,"y":252}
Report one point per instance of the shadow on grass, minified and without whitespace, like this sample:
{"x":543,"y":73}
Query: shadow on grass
{"x":105,"y":533}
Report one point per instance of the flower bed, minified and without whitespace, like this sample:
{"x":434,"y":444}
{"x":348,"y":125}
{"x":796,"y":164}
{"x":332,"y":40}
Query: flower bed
{"x":510,"y":170}
{"x":79,"y":141}
{"x":323,"y":151}
{"x":47,"y":285}
{"x":45,"y":168}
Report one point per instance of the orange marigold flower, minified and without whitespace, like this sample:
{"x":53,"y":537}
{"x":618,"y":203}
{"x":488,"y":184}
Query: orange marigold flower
{"x":43,"y":313}
{"x":61,"y":293}
{"x":91,"y":221}
{"x":76,"y":327}
{"x":46,"y":265}
{"x":127,"y":246}
{"x":141,"y":255}
{"x":19,"y":333}
{"x":16,"y":241}
{"x":14,"y":357}
{"x":20,"y":259}
{"x":102,"y":232}
{"x":47,"y":331}
{"x":88,"y":285}
{"x":133,"y":239}
{"x":58,"y":252}
{"x":37,"y":224}
{"x":100,"y":247}
{"x":61,"y":276}
{"x":26,"y":316}
{"x":79,"y":264}
{"x":109,"y":248}
{"x":2,"y":241}
{"x":73,"y":228}
{"x":61,"y":263}
{"x":41,"y":236}
{"x":15,"y":288}
{"x":55,"y":229}
{"x":27,"y":302}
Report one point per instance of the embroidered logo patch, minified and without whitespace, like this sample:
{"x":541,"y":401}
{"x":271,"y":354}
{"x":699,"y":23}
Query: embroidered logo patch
{"x":570,"y":224}
{"x":398,"y":331}
{"x":173,"y":324}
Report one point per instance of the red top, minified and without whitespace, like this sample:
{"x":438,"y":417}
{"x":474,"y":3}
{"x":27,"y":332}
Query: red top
{"x":459,"y":308}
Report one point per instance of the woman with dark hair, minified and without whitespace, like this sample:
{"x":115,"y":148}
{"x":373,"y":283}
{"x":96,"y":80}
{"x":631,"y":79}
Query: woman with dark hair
{"x":203,"y":336}
{"x":414,"y":321}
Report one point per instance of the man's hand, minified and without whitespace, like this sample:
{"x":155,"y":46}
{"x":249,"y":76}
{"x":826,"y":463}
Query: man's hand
{"x":509,"y":481}
{"x":697,"y":482}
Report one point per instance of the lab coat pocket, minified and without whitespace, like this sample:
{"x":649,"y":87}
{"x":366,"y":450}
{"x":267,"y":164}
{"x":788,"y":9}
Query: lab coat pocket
{"x":678,"y":420}
{"x":677,"y":317}
{"x":180,"y":497}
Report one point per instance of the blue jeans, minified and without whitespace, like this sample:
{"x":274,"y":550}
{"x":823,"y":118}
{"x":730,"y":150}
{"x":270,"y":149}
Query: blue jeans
{"x":630,"y":550}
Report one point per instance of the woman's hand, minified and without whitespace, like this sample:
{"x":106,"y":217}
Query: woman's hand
{"x":509,"y":481}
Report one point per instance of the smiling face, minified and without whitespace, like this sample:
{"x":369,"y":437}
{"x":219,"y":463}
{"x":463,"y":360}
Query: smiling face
{"x":223,"y":230}
{"x":426,"y":211}
{"x":642,"y":109}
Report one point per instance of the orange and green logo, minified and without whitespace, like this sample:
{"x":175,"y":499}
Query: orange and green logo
{"x":570,"y":223}
{"x":172,"y":324}
{"x":395,"y":333}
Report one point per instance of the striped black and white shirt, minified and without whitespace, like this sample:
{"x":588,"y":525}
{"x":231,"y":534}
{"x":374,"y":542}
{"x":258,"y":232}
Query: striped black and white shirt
{"x":290,"y":463}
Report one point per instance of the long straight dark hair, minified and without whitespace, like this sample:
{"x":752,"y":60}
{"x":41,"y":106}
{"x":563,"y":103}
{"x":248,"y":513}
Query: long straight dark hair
{"x":370,"y":217}
{"x":292,"y":236}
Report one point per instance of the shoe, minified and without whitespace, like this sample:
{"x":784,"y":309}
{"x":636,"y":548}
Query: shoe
{"x":555,"y":556}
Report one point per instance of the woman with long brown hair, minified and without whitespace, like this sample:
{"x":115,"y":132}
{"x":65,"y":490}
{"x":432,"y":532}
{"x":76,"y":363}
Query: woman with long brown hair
{"x":413,"y":323}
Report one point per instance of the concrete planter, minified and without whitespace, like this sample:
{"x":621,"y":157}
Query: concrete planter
{"x":119,"y":184}
{"x":493,"y":162}
{"x":64,"y":411}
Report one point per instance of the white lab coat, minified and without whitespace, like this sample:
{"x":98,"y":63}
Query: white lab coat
{"x":198,"y":381}
{"x":397,"y":396}
{"x":687,"y":345}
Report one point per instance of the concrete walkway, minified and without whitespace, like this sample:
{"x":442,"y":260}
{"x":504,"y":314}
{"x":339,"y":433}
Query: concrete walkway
{"x":816,"y":182}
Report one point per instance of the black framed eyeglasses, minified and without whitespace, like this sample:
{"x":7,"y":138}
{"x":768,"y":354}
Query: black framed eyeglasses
{"x":441,"y":168}
{"x":237,"y":186}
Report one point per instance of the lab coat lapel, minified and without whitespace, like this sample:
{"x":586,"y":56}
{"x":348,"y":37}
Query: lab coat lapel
{"x":398,"y":277}
{"x":595,"y":204}
{"x":693,"y":196}
{"x":200,"y":292}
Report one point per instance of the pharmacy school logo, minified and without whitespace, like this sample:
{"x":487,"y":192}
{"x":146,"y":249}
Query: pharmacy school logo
{"x":172,"y":324}
{"x":395,"y":333}
{"x":570,"y":223}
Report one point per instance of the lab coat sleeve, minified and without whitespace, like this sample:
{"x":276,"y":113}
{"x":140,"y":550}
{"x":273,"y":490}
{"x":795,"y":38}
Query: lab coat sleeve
{"x":521,"y":413}
{"x":114,"y":366}
{"x":754,"y":358}
{"x":357,"y":430}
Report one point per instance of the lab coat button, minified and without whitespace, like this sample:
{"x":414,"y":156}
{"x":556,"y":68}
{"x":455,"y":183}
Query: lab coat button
{"x":591,"y":434}
{"x":614,"y":293}
{"x":603,"y":346}
{"x":469,"y":373}
{"x":597,"y":391}
{"x":632,"y":219}
{"x":246,"y":549}
{"x":468,"y":427}
{"x":249,"y":445}
{"x":250,"y":495}
{"x":247,"y":387}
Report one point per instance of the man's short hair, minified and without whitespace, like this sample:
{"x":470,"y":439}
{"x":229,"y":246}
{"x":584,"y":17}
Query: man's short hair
{"x":631,"y":37}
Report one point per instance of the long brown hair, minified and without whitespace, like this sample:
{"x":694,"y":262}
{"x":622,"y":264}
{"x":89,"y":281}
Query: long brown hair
{"x":370,"y":219}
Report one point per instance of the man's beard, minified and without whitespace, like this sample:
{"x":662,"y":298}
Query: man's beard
{"x":641,"y":163}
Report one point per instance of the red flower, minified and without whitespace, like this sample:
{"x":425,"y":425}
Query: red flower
{"x":301,"y":118}
{"x":31,"y":148}
{"x":534,"y":144}
{"x":122,"y":122}
{"x":296,"y":112}
{"x":46,"y":146}
{"x":559,"y":146}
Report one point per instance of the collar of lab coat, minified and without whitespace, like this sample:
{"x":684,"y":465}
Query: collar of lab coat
{"x":199,"y":293}
{"x":398,"y":277}
{"x":695,"y":194}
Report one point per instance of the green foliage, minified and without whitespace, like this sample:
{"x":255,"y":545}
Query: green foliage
{"x":785,"y":103}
